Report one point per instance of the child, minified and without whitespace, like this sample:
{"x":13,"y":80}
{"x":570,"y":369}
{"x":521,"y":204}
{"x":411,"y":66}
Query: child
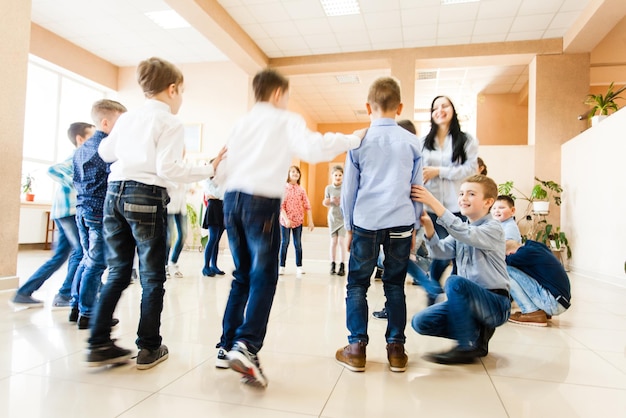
{"x":478,"y":297}
{"x":292,"y":210}
{"x":214,"y":222}
{"x":378,"y":211}
{"x":332,"y":200}
{"x":260,"y":150}
{"x":68,"y":242}
{"x":146,"y":149}
{"x":90,"y":180}
{"x":503,"y":210}
{"x":176,"y":227}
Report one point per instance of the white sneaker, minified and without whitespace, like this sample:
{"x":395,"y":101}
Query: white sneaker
{"x":176,"y":271}
{"x":299,"y":271}
{"x":281,"y":271}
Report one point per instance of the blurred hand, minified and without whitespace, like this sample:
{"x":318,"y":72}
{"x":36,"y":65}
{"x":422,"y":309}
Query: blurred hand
{"x":430,"y":173}
{"x":220,"y":156}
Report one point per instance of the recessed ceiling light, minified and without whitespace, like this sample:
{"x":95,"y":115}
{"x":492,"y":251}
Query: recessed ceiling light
{"x":168,"y":19}
{"x":446,"y":2}
{"x":348,"y":79}
{"x":340,"y":7}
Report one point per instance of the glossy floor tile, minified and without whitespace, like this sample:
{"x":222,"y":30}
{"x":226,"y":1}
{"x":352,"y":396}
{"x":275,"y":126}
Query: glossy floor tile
{"x":576,"y":367}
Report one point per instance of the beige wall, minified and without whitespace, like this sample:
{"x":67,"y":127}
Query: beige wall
{"x":501,"y":120}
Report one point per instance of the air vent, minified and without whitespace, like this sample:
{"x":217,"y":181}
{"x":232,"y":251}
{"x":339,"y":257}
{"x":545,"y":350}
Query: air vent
{"x":348,"y":79}
{"x":427,"y":75}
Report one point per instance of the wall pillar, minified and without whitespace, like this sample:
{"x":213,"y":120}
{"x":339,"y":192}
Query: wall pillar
{"x":15,"y":33}
{"x":403,"y":69}
{"x":558,"y":85}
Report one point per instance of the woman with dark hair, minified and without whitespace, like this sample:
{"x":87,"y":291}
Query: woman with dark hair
{"x":450,"y":155}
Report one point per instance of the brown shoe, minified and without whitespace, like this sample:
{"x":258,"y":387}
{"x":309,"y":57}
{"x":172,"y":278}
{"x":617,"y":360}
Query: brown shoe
{"x":535,"y":319}
{"x":352,"y":356}
{"x":397,"y":357}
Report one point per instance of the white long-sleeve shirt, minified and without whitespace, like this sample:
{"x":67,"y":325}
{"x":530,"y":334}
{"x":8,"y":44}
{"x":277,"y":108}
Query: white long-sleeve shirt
{"x":262,"y":145}
{"x":147,"y":145}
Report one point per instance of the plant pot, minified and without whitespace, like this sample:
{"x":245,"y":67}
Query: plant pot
{"x":597,"y":119}
{"x":541,"y":207}
{"x":29,"y":197}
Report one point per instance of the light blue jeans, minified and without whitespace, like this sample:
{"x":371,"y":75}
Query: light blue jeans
{"x":530,"y":295}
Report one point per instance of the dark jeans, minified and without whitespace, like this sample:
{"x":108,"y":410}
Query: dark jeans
{"x":212,"y":249}
{"x":88,"y":277}
{"x":135,"y":215}
{"x":468,"y":308}
{"x":396,"y":243}
{"x":67,"y":245}
{"x":437,"y":267}
{"x":297,"y":244}
{"x":254,"y":238}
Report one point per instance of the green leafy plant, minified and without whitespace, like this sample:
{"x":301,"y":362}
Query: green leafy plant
{"x":604,"y":103}
{"x":553,"y":237}
{"x":196,"y":224}
{"x":543,"y":190}
{"x":27,"y":184}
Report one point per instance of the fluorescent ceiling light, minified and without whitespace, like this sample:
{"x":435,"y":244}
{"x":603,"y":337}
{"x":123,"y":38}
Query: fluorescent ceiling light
{"x":446,"y":2}
{"x":348,"y":79}
{"x":340,"y":7}
{"x":168,"y":19}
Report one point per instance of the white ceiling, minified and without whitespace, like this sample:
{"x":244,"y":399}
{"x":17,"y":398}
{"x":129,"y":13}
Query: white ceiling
{"x":118,"y":31}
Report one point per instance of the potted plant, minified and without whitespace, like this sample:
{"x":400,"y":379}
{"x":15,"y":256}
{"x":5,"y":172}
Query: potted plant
{"x":539,"y":196}
{"x":27,"y":188}
{"x":603,"y":103}
{"x":554,"y":238}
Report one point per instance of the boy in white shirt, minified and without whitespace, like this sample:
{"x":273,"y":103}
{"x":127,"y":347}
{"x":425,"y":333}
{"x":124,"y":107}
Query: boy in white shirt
{"x":146,"y":149}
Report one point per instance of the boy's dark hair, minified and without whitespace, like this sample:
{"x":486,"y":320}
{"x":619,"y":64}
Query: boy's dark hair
{"x":384,"y":93}
{"x":490,"y":188}
{"x":298,"y":170}
{"x":105,"y":108}
{"x":155,"y":75}
{"x":482,"y":164}
{"x":508,"y":199}
{"x":408,"y":125}
{"x":265,"y":82}
{"x":78,"y":128}
{"x":458,"y":137}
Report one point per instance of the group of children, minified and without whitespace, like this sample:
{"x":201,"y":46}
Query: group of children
{"x":372,"y":205}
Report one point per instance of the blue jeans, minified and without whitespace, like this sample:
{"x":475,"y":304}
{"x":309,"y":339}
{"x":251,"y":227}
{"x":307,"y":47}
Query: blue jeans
{"x":66,"y":245}
{"x":297,"y":243}
{"x":420,"y":277}
{"x":437,"y":267}
{"x":176,"y":224}
{"x":530,"y":295}
{"x":88,"y":278}
{"x":468,"y":308}
{"x":254,"y":239}
{"x":135,"y":216}
{"x":396,"y":244}
{"x":212,"y":249}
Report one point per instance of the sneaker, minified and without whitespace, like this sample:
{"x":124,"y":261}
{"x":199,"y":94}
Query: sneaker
{"x":106,"y":354}
{"x":177,"y":273}
{"x":147,"y":359}
{"x":133,"y":275}
{"x":397,"y":357}
{"x":222,"y":359}
{"x":73,"y":315}
{"x":342,"y":269}
{"x":382,"y":314}
{"x":300,"y":271}
{"x":246,"y":363}
{"x":281,"y":271}
{"x":61,"y":301}
{"x":332,"y":268}
{"x":535,"y":319}
{"x":83,"y":321}
{"x":26,"y":301}
{"x":352,"y":356}
{"x":379,"y":274}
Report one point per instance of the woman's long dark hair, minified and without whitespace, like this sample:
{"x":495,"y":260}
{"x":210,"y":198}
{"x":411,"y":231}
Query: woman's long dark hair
{"x":459,"y":139}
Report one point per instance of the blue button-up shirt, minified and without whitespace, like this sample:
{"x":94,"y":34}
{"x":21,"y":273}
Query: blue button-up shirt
{"x":90,"y":175}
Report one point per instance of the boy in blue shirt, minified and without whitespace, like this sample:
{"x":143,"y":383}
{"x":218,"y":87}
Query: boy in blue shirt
{"x":377,"y":208}
{"x":503,"y":210}
{"x":478,"y":297}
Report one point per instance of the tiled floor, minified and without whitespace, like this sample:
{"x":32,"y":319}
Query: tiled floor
{"x":574,"y":368}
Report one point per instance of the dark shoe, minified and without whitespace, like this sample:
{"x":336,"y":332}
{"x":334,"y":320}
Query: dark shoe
{"x":352,"y":356}
{"x":243,"y":361}
{"x":83,"y":322}
{"x":342,"y":270}
{"x":332,"y":268}
{"x":397,"y":357}
{"x":208,"y":272}
{"x":535,"y":319}
{"x":455,"y":356}
{"x":482,"y":345}
{"x":26,"y":301}
{"x":107,"y":354}
{"x":379,"y":274}
{"x":61,"y":301}
{"x":73,"y":315}
{"x":222,"y":358}
{"x":147,"y":359}
{"x":217,"y":271}
{"x":382,"y":314}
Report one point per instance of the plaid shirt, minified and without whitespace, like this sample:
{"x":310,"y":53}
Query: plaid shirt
{"x":64,"y":201}
{"x":90,"y":175}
